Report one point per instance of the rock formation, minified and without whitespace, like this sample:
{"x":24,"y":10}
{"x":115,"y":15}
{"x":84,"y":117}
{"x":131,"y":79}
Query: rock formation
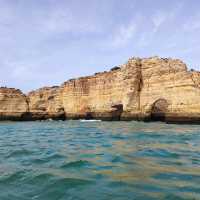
{"x":13,"y":104}
{"x":142,"y":89}
{"x":100,"y":95}
{"x":46,"y":103}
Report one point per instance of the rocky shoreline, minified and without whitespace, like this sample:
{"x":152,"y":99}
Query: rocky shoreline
{"x":149,"y":89}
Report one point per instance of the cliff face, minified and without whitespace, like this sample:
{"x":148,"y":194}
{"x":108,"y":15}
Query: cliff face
{"x":13,"y":104}
{"x":167,"y":82}
{"x":46,"y":103}
{"x":104,"y":95}
{"x":142,"y":89}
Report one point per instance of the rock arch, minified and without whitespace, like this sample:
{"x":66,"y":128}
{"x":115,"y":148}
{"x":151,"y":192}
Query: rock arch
{"x":159,"y":110}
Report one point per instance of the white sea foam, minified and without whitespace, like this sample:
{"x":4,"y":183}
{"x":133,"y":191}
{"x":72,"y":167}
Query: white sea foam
{"x":90,"y":120}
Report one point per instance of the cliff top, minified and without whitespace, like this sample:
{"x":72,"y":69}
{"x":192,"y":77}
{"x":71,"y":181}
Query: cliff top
{"x":9,"y":90}
{"x":43,"y":89}
{"x":149,"y":63}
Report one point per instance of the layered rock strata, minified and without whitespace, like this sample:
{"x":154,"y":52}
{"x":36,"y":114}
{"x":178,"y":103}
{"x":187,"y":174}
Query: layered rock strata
{"x":13,"y":104}
{"x":142,"y":89}
{"x":105,"y":95}
{"x":46,"y":103}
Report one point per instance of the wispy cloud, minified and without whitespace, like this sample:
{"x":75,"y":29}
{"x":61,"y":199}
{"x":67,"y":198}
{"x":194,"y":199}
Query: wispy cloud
{"x":163,"y":16}
{"x":63,"y":20}
{"x":123,"y":35}
{"x":192,"y":24}
{"x":158,"y":19}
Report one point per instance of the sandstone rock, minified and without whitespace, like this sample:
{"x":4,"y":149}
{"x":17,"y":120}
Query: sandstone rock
{"x":169,"y":79}
{"x":142,"y":89}
{"x":97,"y":96}
{"x":13,"y":104}
{"x":46,"y":103}
{"x":139,"y":86}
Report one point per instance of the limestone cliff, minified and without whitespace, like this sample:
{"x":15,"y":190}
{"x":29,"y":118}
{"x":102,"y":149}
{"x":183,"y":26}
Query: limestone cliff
{"x":104,"y":95}
{"x":46,"y":103}
{"x":13,"y":104}
{"x":142,"y":89}
{"x":167,"y":81}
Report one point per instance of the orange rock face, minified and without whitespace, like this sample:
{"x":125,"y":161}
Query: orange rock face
{"x":151,"y":88}
{"x":169,"y":80}
{"x":99,"y":96}
{"x":45,"y":103}
{"x":142,"y":89}
{"x":13,"y":104}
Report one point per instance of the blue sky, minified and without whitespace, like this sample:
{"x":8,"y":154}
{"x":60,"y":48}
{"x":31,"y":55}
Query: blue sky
{"x":46,"y":42}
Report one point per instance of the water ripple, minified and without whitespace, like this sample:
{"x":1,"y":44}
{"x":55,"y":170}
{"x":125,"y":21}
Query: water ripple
{"x":99,"y":160}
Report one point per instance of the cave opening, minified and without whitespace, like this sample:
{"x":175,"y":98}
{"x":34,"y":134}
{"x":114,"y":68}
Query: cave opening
{"x":88,"y":116}
{"x":159,"y":110}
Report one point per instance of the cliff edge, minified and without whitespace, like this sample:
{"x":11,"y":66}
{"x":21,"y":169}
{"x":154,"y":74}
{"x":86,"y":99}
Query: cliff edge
{"x":142,"y":89}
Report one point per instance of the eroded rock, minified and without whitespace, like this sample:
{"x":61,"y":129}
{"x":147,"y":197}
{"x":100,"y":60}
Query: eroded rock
{"x":142,"y":89}
{"x":46,"y":103}
{"x":13,"y":104}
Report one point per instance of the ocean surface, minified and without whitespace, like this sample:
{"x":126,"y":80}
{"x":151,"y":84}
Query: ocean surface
{"x":84,"y":160}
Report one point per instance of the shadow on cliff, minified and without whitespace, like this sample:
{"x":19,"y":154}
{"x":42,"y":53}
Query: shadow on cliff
{"x":114,"y":115}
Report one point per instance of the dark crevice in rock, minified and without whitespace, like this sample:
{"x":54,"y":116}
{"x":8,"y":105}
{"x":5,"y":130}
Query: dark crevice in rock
{"x":116,"y":114}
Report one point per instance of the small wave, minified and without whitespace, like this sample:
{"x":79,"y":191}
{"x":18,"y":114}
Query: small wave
{"x":71,"y":182}
{"x":105,"y":167}
{"x":57,"y":188}
{"x":41,"y":179}
{"x":76,"y":164}
{"x":117,"y":159}
{"x":159,"y":153}
{"x":17,"y":153}
{"x":48,"y":159}
{"x":178,"y":176}
{"x":119,"y":184}
{"x":11,"y":178}
{"x":176,"y":197}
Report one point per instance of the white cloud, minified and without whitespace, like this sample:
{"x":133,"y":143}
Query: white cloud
{"x":63,"y":20}
{"x":161,"y":17}
{"x":122,"y":35}
{"x":47,"y":19}
{"x":158,"y":19}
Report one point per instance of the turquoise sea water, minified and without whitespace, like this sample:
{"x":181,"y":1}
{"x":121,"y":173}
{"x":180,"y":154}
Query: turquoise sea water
{"x":99,"y":160}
